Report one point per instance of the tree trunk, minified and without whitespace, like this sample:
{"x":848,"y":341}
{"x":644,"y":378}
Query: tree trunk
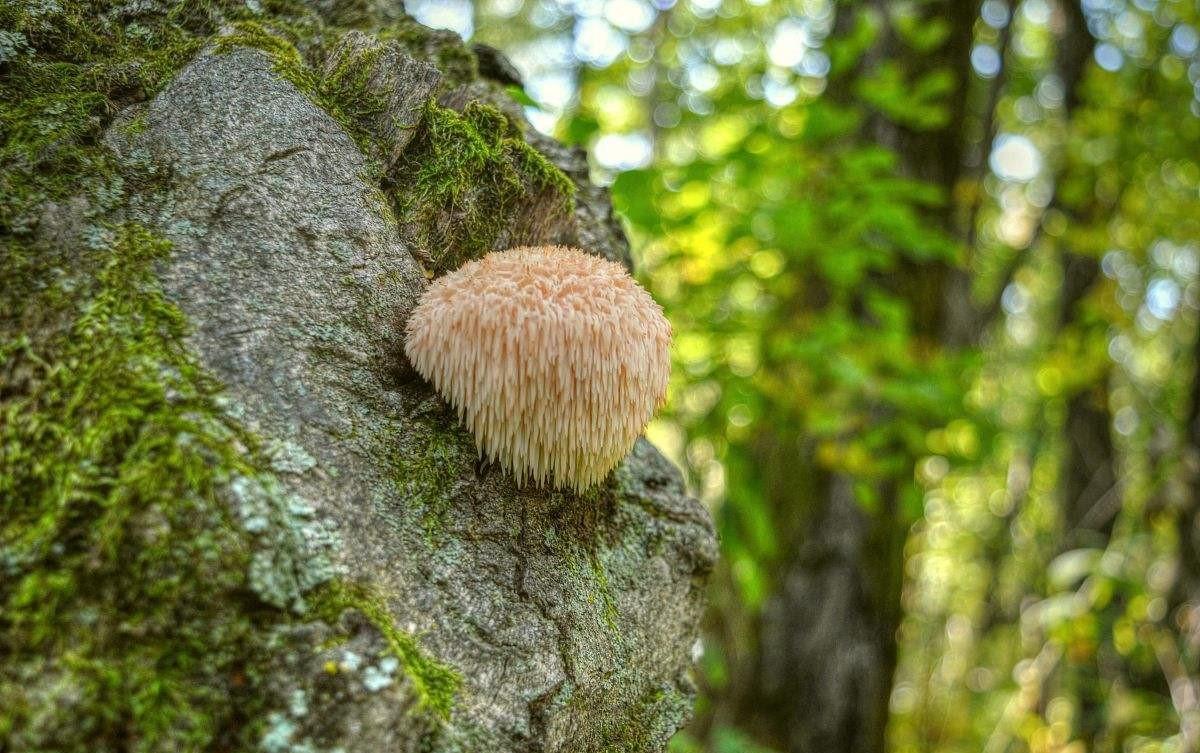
{"x":1186,"y":592}
{"x":1089,"y":496}
{"x":231,"y":517}
{"x":827,"y":634}
{"x":1088,"y":489}
{"x":821,"y":677}
{"x":1090,"y":499}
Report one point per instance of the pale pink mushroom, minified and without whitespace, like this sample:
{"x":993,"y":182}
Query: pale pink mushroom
{"x":555,"y":359}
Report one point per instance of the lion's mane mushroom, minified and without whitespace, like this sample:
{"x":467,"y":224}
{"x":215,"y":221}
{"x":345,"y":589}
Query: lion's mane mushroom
{"x":554,"y":359}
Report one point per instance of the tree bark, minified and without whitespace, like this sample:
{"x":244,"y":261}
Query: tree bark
{"x":276,"y":536}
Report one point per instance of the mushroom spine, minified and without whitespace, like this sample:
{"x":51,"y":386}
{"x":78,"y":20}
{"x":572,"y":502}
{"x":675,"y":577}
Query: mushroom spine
{"x":555,"y":359}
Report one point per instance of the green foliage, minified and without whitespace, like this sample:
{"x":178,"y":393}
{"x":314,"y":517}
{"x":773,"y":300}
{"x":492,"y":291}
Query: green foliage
{"x":520,"y":96}
{"x":783,"y":249}
{"x":724,"y":740}
{"x":921,"y":106}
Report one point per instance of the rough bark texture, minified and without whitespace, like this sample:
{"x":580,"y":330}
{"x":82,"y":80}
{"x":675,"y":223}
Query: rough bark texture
{"x":412,"y":599}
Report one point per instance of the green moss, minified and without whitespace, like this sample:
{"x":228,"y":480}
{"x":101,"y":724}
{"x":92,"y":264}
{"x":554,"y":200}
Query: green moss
{"x":126,"y":609}
{"x":78,"y":65}
{"x":278,"y":42}
{"x":135,"y":125}
{"x":150,"y":566}
{"x":598,"y":593}
{"x":428,"y":464}
{"x":434,"y":683}
{"x":646,"y":723}
{"x":656,"y":716}
{"x":73,"y":64}
{"x":604,"y":593}
{"x":147,"y":555}
{"x":464,"y":177}
{"x":345,"y":89}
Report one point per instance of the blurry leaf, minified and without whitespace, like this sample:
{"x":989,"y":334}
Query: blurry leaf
{"x":634,"y":195}
{"x":920,"y":32}
{"x":520,"y":96}
{"x":682,"y":742}
{"x":866,"y":496}
{"x":579,"y":130}
{"x":912,"y":503}
{"x":846,"y":50}
{"x":714,"y":665}
{"x":731,"y":740}
{"x":826,"y":121}
{"x":920,"y":106}
{"x":1069,"y":568}
{"x":936,"y":83}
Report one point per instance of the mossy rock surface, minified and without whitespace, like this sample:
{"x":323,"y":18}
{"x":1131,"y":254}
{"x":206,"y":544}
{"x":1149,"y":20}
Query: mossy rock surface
{"x":232,"y":518}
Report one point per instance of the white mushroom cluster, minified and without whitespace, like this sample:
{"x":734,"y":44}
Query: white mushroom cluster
{"x":555,"y":359}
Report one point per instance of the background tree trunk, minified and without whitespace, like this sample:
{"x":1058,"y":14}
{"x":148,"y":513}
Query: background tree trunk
{"x":1090,"y":498}
{"x":820,"y":677}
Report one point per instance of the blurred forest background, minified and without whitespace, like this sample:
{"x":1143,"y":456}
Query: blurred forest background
{"x":933,"y":271}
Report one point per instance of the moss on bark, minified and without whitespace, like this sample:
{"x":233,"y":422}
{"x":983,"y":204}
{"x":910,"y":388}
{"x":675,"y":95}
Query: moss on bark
{"x":435,"y":684}
{"x":127,"y":607}
{"x":155,"y":574}
{"x":151,"y":565}
{"x":463,"y":178}
{"x":77,"y":62}
{"x":459,"y":185}
{"x":343,"y":93}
